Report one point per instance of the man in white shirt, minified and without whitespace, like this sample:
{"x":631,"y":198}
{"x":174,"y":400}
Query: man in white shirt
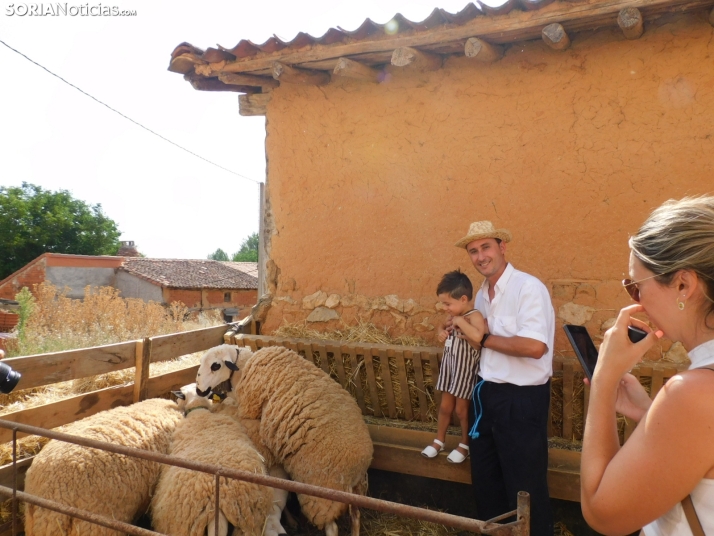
{"x":509,"y":421}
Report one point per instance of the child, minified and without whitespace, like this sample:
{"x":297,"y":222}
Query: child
{"x":460,"y":363}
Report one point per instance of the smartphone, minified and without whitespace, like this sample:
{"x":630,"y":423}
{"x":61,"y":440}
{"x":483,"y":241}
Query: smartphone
{"x":636,"y":334}
{"x":584,"y":347}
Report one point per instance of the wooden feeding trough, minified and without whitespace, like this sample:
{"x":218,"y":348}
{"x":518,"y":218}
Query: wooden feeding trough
{"x":394,"y":388}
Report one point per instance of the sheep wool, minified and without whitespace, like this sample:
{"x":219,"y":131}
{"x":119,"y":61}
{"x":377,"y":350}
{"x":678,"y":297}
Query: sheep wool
{"x":309,"y":422}
{"x":108,"y":484}
{"x":250,"y":426}
{"x":183,"y":504}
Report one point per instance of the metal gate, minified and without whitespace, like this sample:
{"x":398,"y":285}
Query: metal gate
{"x":520,"y":527}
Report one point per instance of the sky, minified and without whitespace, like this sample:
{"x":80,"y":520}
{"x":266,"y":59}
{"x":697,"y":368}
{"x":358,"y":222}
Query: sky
{"x":170,"y":203}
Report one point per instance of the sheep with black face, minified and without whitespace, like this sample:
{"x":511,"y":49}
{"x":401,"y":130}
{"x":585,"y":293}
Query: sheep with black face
{"x":311,"y":425}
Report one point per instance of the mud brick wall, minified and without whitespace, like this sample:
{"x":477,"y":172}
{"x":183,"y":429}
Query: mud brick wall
{"x":369,"y":185}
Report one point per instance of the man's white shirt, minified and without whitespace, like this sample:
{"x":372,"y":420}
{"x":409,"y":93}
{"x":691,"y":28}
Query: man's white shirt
{"x":521,"y":307}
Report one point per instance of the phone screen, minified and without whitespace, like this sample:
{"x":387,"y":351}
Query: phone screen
{"x":584,"y":347}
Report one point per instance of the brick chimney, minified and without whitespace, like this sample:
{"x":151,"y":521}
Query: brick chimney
{"x":128,"y":249}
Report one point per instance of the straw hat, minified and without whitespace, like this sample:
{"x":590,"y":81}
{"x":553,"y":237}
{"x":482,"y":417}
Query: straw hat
{"x":479,"y":230}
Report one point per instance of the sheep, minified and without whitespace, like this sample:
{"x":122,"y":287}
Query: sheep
{"x":280,"y":497}
{"x":108,"y":484}
{"x":311,"y":425}
{"x":184,"y":500}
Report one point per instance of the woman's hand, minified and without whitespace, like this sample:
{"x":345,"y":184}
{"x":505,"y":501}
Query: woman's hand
{"x":617,"y":354}
{"x":632,"y":399}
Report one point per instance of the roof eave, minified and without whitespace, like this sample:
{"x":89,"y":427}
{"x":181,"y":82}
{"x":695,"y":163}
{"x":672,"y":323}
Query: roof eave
{"x":372,"y":47}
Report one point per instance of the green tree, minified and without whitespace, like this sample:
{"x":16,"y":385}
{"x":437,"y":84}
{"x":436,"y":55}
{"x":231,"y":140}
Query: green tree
{"x":248,"y":251}
{"x":34,"y":221}
{"x":218,"y":255}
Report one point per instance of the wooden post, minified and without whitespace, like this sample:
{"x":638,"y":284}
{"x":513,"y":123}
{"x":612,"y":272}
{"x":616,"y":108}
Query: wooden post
{"x":568,"y":384}
{"x":253,"y":104}
{"x":143,"y":362}
{"x":415,"y":59}
{"x":234,"y":79}
{"x":630,"y":22}
{"x":480,"y":50}
{"x":353,"y":69}
{"x":711,"y":17}
{"x":291,"y":75}
{"x":555,"y":37}
{"x":262,"y":257}
{"x":229,"y":337}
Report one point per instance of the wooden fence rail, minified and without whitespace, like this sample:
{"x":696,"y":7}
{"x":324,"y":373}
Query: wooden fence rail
{"x":389,"y":381}
{"x":46,"y":369}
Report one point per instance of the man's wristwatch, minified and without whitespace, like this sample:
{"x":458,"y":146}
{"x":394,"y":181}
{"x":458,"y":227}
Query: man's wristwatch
{"x":484,"y":338}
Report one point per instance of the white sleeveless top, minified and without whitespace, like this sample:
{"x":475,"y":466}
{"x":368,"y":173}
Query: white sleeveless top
{"x":674,"y":522}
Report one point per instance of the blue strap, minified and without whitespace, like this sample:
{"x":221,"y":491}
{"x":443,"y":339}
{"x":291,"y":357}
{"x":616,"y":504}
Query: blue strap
{"x":478,"y":413}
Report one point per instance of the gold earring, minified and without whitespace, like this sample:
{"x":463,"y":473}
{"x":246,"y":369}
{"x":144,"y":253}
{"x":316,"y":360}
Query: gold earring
{"x":680,"y":304}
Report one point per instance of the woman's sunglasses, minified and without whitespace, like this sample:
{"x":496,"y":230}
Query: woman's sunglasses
{"x":632,"y":289}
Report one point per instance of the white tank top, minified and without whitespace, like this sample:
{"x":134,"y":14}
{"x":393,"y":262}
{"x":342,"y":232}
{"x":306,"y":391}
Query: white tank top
{"x":674,"y":522}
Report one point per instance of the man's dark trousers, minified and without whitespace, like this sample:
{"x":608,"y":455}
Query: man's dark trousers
{"x":511,"y":451}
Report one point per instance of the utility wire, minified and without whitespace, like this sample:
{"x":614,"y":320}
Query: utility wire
{"x":127,"y":117}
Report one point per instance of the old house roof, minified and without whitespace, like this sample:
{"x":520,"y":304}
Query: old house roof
{"x":250,"y":268}
{"x":191,"y":274}
{"x":257,"y":68}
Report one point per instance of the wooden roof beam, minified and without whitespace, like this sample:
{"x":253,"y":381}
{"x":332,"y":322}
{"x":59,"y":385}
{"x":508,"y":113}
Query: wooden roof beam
{"x":233,"y":79}
{"x":480,"y":50}
{"x":352,"y":69}
{"x":630,"y":22}
{"x":555,"y":37}
{"x":416,"y":60}
{"x":292,"y":75}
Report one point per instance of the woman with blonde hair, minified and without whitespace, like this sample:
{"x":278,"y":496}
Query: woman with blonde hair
{"x":670,"y":456}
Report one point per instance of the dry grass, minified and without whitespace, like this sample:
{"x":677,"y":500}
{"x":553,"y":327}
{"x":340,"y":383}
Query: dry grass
{"x":60,"y":323}
{"x":382,"y":524}
{"x":374,"y":523}
{"x":361,"y":332}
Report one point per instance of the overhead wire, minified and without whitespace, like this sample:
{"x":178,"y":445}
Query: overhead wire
{"x":129,"y":118}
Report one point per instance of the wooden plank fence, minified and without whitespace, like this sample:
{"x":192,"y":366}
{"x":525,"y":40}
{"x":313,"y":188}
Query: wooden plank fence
{"x":390,"y":381}
{"x":398,"y":381}
{"x":387,"y":381}
{"x":46,"y":369}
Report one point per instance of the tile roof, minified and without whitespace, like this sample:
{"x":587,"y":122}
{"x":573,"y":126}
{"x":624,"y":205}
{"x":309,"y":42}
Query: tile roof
{"x":441,"y":32}
{"x":250,"y":268}
{"x":191,"y":274}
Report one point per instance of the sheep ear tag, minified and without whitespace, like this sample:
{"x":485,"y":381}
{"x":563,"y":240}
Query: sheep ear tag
{"x":231,"y":366}
{"x":218,"y":397}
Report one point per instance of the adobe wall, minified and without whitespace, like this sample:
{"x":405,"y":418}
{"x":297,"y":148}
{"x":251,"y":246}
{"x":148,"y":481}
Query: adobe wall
{"x":369,"y":185}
